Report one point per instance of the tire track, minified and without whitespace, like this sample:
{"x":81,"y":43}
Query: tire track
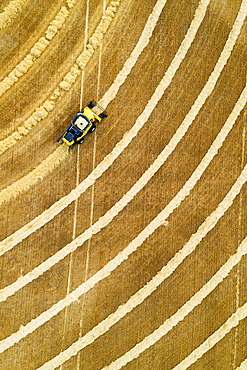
{"x":240,"y":220}
{"x":149,"y":234}
{"x":188,"y":307}
{"x":70,"y":269}
{"x":152,"y":285}
{"x":56,"y":208}
{"x":106,"y":219}
{"x":83,"y":302}
{"x":211,"y":341}
{"x":188,"y":248}
{"x":65,"y":85}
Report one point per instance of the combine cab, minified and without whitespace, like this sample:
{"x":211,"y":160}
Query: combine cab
{"x":83,"y":123}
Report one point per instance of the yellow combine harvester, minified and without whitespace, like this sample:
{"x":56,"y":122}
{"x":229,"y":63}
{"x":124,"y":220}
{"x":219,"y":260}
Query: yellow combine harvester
{"x":83,"y":123}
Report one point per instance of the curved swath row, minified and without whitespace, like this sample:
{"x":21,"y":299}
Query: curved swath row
{"x":219,"y":334}
{"x":123,"y":255}
{"x":142,"y":181}
{"x":59,"y":154}
{"x":138,"y":298}
{"x":89,"y":336}
{"x":69,"y":79}
{"x":37,"y":49}
{"x":11,"y":11}
{"x":156,"y":164}
{"x":111,"y":93}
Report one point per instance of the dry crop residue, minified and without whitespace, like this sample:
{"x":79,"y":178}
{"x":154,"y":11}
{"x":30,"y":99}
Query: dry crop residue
{"x":69,"y":79}
{"x":36,"y":175}
{"x":11,"y":11}
{"x":144,"y":292}
{"x":35,"y":52}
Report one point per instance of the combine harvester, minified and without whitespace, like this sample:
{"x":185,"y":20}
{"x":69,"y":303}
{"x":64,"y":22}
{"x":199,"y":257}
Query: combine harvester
{"x":83,"y":123}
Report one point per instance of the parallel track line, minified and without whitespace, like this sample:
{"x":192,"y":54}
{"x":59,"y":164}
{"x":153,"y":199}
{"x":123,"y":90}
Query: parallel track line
{"x":152,"y":285}
{"x":107,"y":218}
{"x":209,"y":223}
{"x":57,"y":207}
{"x":182,"y":312}
{"x":70,"y":269}
{"x":211,"y":341}
{"x":104,"y":220}
{"x":65,"y":85}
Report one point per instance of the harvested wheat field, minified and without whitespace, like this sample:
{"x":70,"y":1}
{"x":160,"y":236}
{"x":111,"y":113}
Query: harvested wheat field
{"x":128,"y":251}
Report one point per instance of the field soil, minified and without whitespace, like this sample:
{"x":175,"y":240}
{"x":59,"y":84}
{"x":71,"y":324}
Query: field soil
{"x":125,"y":285}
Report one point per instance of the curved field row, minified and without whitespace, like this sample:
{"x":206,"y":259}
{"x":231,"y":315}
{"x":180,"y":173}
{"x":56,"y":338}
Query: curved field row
{"x":187,"y":308}
{"x":26,"y":182}
{"x":187,"y":278}
{"x":68,"y":80}
{"x":10,"y":11}
{"x":9,"y":242}
{"x":37,"y":49}
{"x":108,"y":160}
{"x":139,"y":297}
{"x":211,"y":341}
{"x":35,"y":176}
{"x":209,"y":223}
{"x":159,"y":220}
{"x":113,"y":318}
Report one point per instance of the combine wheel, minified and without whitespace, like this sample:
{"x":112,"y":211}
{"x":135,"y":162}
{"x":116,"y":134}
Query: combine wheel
{"x":93,"y":128}
{"x":103,"y":114}
{"x":92,"y":104}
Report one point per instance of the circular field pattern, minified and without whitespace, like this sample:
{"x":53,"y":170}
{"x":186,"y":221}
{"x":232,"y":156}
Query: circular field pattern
{"x":128,"y":251}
